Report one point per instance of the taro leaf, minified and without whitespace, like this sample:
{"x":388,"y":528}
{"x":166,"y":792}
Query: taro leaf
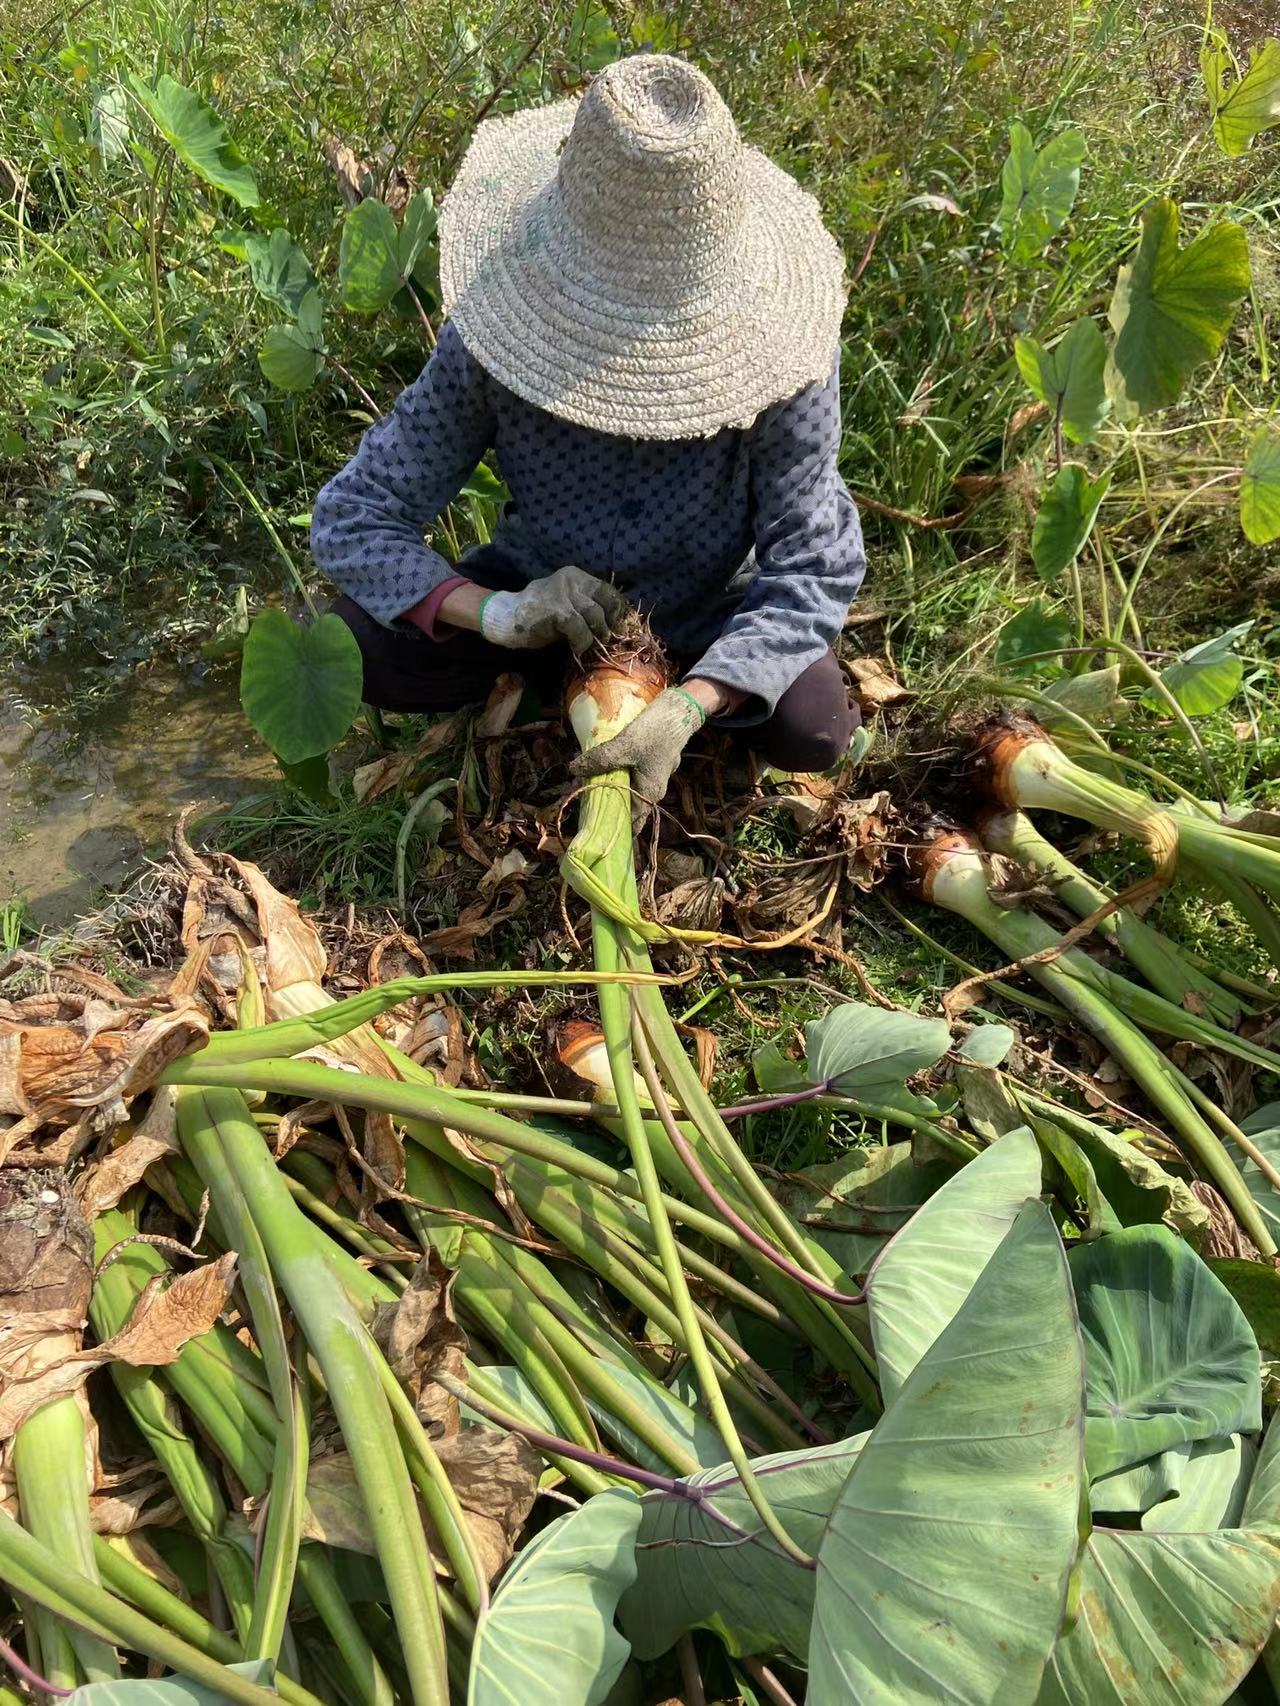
{"x":1170,"y":1618}
{"x":1172,"y":307}
{"x":776,"y":1073}
{"x":279,"y":269}
{"x":1212,"y":1488}
{"x":374,"y":258}
{"x":198,"y":137}
{"x":171,"y":1691}
{"x":1256,"y":1288}
{"x":1095,"y":695}
{"x":1138,"y":1188}
{"x":929,"y":1268}
{"x":548,"y":1637}
{"x":696,"y":1573}
{"x":1247,"y":105}
{"x":109,"y":126}
{"x":1065,"y":519}
{"x":1260,"y":489}
{"x":842,"y":1204}
{"x":417,"y":228}
{"x":300,"y":686}
{"x":1069,"y":378}
{"x":943,"y":1573}
{"x":1033,"y":630}
{"x":1079,"y":1173}
{"x":369,"y":257}
{"x":1206,"y":677}
{"x":1039,"y":190}
{"x":1170,"y":1355}
{"x":987,"y":1045}
{"x":1139,"y":1486}
{"x":867,"y":1051}
{"x":292,"y":356}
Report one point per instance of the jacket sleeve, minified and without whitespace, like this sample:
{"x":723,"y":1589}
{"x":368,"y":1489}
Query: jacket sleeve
{"x":367,"y":523}
{"x":809,"y":555}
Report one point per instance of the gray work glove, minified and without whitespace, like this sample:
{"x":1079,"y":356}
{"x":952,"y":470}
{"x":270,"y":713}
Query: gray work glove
{"x":650,"y":748}
{"x":568,"y":605}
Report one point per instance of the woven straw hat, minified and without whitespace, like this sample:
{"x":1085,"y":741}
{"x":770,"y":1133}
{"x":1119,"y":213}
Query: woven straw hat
{"x":626,"y":262}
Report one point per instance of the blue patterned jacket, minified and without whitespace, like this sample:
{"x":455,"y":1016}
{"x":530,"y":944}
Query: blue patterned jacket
{"x":744,"y":548}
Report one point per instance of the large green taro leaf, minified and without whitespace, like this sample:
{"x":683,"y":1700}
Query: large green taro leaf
{"x":1246,"y":105}
{"x":548,"y":1637}
{"x":300,"y":686}
{"x":866,"y":1051}
{"x":695,"y":1572}
{"x":1069,"y":377}
{"x":1170,"y":1355}
{"x":1038,"y":190}
{"x":198,"y":137}
{"x":925,"y":1273}
{"x":1065,"y":519}
{"x":1173,"y":1618}
{"x":943,"y":1575}
{"x":1171,"y":307}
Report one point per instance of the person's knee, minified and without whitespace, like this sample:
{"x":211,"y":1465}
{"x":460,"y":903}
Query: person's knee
{"x":811,"y":735}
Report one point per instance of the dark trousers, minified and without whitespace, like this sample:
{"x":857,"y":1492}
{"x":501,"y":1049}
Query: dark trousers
{"x":810,"y":729}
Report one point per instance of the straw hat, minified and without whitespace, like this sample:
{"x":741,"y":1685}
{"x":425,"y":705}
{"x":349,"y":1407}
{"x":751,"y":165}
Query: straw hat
{"x":626,"y":262}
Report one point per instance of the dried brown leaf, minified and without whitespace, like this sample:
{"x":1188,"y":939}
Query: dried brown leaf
{"x":379,"y":777}
{"x":501,"y":706}
{"x":874,"y":685}
{"x":420,"y":1338}
{"x":102,"y":1185}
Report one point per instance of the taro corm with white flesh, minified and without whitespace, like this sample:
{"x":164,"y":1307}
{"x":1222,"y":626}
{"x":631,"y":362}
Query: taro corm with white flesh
{"x":1021,"y":767}
{"x":953,"y":872}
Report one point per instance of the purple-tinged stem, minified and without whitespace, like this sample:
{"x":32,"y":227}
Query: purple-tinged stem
{"x":771,"y":1104}
{"x":23,"y":1671}
{"x":701,"y":1178}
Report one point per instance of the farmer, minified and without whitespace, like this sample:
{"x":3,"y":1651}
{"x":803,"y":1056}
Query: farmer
{"x":643,"y":323}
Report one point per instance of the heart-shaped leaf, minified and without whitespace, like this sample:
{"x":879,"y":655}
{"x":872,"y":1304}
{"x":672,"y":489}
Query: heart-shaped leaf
{"x":1260,"y":489}
{"x":375,"y":259}
{"x":697,"y":1572}
{"x":987,"y":1045}
{"x":1065,"y":519}
{"x":943,"y":1573}
{"x":1039,"y":191}
{"x":1242,"y":106}
{"x":1170,"y":1356}
{"x":1206,"y":677}
{"x":860,"y":1050}
{"x":109,"y":125}
{"x":1170,"y":1618}
{"x":290,"y":359}
{"x":1172,"y":307}
{"x":1069,"y":378}
{"x":279,"y":269}
{"x":300,"y":686}
{"x":1033,"y":630}
{"x":928,"y":1269}
{"x":548,"y":1637}
{"x":198,"y":137}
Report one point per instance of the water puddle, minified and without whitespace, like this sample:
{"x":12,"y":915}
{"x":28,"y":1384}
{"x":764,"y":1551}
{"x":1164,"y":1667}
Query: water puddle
{"x":84,"y":796}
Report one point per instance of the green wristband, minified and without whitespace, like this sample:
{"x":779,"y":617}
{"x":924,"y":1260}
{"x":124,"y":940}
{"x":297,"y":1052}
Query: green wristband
{"x":483,"y":606}
{"x":685,"y":694}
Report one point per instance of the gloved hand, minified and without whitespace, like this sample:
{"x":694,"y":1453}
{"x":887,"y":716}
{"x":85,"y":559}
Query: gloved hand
{"x":650,"y":748}
{"x":570,"y":605}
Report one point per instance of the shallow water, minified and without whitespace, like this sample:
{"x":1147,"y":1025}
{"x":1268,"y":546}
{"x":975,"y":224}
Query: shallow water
{"x":84,"y":795}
